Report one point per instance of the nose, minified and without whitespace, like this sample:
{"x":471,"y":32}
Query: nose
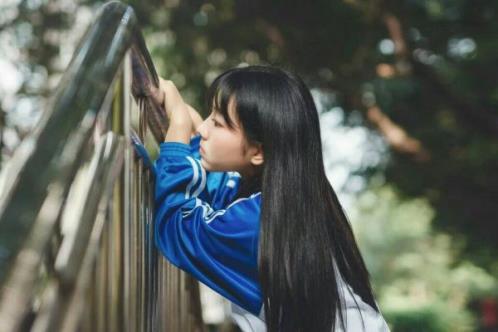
{"x":202,"y":130}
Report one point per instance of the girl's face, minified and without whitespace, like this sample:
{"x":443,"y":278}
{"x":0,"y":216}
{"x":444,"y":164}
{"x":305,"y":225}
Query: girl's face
{"x":226,"y":149}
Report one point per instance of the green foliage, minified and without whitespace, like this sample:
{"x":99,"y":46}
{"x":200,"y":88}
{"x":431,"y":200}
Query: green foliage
{"x":419,"y":284}
{"x":433,"y":318}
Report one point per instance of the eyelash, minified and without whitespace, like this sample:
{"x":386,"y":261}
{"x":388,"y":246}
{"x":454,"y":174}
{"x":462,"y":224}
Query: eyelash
{"x":216,"y":124}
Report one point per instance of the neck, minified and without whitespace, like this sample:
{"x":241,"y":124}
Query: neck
{"x":249,"y":184}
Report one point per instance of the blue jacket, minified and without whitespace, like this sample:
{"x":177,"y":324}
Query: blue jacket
{"x":202,"y":230}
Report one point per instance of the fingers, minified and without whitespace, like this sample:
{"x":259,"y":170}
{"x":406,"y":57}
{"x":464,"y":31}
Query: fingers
{"x":170,"y":95}
{"x":176,"y":109}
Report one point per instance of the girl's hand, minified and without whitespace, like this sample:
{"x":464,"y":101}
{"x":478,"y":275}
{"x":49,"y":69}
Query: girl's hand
{"x":173,"y":103}
{"x":169,"y":92}
{"x":180,"y":121}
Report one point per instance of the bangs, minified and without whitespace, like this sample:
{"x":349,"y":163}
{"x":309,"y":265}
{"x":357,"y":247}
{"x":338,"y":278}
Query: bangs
{"x":218,"y":98}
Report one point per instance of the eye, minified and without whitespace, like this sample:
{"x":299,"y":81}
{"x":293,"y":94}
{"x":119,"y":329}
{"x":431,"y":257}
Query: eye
{"x":216,"y":123}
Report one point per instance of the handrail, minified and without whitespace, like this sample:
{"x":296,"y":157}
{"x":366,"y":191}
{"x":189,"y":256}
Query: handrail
{"x":76,"y":207}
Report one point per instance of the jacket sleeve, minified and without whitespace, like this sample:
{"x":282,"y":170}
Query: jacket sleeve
{"x":216,"y":246}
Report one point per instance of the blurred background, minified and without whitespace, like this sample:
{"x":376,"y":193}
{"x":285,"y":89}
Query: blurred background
{"x":407,"y":92}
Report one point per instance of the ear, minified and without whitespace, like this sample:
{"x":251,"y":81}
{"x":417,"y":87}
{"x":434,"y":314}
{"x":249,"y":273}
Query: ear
{"x":257,"y":157}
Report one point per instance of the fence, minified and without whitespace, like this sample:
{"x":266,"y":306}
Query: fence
{"x":76,"y":212}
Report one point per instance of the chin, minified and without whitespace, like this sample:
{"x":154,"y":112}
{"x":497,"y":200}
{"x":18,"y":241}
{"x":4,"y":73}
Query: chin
{"x":204,"y":165}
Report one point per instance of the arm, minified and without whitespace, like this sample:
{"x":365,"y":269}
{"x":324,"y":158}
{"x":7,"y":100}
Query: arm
{"x":180,"y":121}
{"x":196,"y":119}
{"x":218,"y":247}
{"x":221,"y":187}
{"x":184,"y":119}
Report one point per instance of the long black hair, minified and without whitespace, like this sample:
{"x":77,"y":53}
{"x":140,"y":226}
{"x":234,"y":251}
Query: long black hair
{"x":303,"y":228}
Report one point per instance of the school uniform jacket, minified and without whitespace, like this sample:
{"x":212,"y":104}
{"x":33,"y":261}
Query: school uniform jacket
{"x":201,"y":229}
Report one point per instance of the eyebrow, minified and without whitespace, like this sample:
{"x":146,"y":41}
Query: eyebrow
{"x":218,"y":116}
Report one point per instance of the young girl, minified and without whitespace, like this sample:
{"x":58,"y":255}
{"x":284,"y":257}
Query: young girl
{"x":251,"y":213}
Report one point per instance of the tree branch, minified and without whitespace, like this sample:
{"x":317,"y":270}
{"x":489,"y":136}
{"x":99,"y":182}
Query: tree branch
{"x":396,"y":136}
{"x":481,"y":118}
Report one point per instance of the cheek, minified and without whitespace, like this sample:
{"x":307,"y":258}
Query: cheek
{"x":226,"y":147}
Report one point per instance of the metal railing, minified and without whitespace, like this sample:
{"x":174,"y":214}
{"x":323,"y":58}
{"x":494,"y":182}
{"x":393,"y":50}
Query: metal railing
{"x":76,"y":210}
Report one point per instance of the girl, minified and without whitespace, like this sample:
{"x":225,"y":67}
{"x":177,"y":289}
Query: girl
{"x":251,"y":213}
